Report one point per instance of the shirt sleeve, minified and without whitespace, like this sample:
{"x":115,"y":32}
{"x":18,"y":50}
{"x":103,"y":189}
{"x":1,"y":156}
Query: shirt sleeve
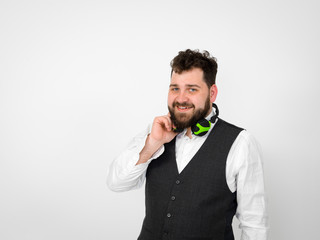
{"x":124,"y":174}
{"x":245,"y":155}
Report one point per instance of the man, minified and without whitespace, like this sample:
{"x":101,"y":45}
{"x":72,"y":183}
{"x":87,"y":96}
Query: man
{"x":200,"y":171}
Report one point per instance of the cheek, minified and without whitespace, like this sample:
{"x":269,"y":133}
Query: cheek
{"x":170,"y":99}
{"x":198,"y":103}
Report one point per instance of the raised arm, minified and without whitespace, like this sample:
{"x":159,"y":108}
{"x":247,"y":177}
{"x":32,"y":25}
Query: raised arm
{"x":128,"y":170}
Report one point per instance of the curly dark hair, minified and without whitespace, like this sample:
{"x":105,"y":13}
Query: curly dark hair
{"x":189,"y":59}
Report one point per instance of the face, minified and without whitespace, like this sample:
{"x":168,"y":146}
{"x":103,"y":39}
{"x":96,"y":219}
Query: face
{"x":189,"y":98}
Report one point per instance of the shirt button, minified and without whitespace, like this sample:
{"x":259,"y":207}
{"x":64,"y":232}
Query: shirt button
{"x":173,"y":198}
{"x":169,"y":215}
{"x":178,"y":182}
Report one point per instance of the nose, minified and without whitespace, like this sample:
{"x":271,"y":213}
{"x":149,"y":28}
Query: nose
{"x":182,"y":97}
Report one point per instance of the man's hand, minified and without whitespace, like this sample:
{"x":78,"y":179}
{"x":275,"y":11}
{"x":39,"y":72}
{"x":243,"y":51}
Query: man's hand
{"x":161,"y":133}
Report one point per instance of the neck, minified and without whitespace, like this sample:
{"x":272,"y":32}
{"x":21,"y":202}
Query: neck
{"x":189,"y":133}
{"x":209,"y":112}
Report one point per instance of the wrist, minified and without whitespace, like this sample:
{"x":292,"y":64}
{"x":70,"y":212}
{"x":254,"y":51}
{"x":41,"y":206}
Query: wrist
{"x":150,"y":148}
{"x":152,"y":143}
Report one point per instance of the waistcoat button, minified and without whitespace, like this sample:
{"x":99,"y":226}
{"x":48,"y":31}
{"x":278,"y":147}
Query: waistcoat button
{"x":178,"y":182}
{"x":169,"y":215}
{"x":173,"y":198}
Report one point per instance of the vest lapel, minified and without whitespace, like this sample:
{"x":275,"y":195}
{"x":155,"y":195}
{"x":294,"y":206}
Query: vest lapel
{"x":195,"y":159}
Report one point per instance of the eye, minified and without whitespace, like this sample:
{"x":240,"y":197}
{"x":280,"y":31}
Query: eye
{"x":192,"y":90}
{"x":175,"y":89}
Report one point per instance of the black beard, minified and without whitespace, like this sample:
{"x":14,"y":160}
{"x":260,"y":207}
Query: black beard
{"x":182,"y":124}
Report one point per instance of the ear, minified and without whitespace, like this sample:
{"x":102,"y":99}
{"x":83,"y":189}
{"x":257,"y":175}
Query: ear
{"x":213,"y":93}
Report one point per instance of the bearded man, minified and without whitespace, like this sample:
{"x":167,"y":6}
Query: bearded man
{"x":199,"y":170}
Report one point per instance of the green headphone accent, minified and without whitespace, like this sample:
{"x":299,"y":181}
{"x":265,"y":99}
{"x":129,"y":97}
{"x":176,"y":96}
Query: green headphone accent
{"x":202,"y":129}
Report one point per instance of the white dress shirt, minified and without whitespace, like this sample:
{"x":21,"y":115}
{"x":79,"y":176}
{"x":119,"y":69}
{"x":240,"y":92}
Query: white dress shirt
{"x":244,"y":174}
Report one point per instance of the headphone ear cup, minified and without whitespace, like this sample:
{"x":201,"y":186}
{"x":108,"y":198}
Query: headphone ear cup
{"x":201,"y":127}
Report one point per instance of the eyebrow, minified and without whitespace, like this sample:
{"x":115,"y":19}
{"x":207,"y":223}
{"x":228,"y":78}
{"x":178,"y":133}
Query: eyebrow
{"x":188,"y":85}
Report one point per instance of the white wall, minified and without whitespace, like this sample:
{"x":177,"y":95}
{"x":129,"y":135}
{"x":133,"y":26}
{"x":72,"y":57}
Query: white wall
{"x":78,"y":79}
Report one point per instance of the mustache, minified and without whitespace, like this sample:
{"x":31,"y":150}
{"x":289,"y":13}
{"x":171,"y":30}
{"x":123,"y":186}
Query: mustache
{"x":184,"y":104}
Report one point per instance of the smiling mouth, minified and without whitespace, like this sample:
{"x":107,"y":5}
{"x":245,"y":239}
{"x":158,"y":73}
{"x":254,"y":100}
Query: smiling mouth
{"x":183,"y":109}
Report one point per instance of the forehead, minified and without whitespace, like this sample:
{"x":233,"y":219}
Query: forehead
{"x":193,"y":76}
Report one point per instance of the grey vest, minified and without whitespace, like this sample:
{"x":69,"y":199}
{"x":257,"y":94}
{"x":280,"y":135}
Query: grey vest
{"x":197,"y":203}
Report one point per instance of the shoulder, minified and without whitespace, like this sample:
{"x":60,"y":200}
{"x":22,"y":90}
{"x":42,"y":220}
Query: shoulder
{"x":228,"y":130}
{"x":245,"y":147}
{"x":229,"y":125}
{"x":247,"y":140}
{"x":244,"y":137}
{"x":246,"y":150}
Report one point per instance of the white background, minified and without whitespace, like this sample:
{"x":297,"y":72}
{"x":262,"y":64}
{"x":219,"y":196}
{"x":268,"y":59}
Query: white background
{"x":78,"y":79}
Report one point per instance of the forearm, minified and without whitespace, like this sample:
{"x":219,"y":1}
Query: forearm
{"x":249,"y":233}
{"x":251,"y":193}
{"x":129,"y":169}
{"x":149,"y":149}
{"x":253,"y":217}
{"x":125,"y":173}
{"x":252,"y":204}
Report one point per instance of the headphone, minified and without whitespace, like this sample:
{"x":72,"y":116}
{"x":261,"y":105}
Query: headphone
{"x":203,"y":125}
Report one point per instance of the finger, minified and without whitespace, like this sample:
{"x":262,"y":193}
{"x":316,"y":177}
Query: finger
{"x":164,"y":121}
{"x":169,"y":115}
{"x":169,"y":126}
{"x":171,"y":122}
